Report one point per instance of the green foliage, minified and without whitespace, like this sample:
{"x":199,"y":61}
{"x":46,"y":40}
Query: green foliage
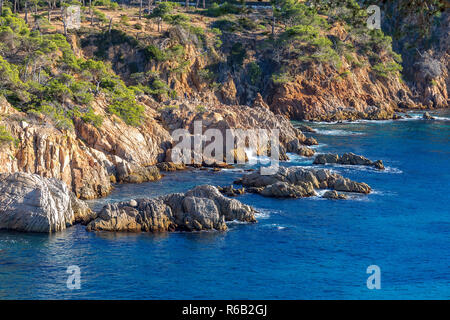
{"x":177,"y":19}
{"x":168,"y":108}
{"x":281,"y":78}
{"x":217,"y":10}
{"x":237,"y":54}
{"x":5,"y":136}
{"x":387,"y":70}
{"x":92,"y":118}
{"x":155,"y":53}
{"x":201,"y":108}
{"x":163,"y":9}
{"x":60,"y":117}
{"x":254,"y":72}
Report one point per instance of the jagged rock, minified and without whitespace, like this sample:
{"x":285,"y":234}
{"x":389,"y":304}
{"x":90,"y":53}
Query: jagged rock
{"x":202,"y":208}
{"x":305,"y":128}
{"x":326,"y":158}
{"x":29,"y":202}
{"x":347,"y":159}
{"x":378,"y":164}
{"x":427,"y":116}
{"x":170,"y":166}
{"x":135,"y":174}
{"x":307,"y":179}
{"x":232,"y":209}
{"x":334,"y":195}
{"x":230,"y":191}
{"x":286,"y":190}
{"x":82,"y":213}
{"x":353,"y":159}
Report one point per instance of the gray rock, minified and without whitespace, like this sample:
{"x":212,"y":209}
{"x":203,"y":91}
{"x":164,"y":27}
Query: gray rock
{"x":29,"y":202}
{"x":326,"y":158}
{"x":347,"y":159}
{"x":82,"y":213}
{"x":286,"y":181}
{"x":427,"y":116}
{"x":334,"y":195}
{"x":202,"y":208}
{"x":286,"y":190}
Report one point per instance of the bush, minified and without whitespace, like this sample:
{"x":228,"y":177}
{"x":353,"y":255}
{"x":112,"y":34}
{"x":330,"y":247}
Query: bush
{"x":153,"y":52}
{"x":5,"y":136}
{"x":92,"y":118}
{"x":217,"y":10}
{"x":387,"y":70}
{"x":254,"y":72}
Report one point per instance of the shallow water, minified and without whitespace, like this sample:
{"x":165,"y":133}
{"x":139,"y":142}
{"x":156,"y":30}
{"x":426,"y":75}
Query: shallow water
{"x":300,"y":249}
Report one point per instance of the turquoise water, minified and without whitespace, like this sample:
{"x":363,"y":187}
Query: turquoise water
{"x":300,"y":249}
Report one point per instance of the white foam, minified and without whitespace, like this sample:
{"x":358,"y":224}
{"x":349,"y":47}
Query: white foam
{"x":338,"y":132}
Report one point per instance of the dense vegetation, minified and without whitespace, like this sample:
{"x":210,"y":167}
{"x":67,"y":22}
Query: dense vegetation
{"x":41,"y":74}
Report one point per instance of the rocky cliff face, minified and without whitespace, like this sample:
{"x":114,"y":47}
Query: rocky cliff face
{"x":321,"y":95}
{"x":90,"y":159}
{"x":420,"y":32}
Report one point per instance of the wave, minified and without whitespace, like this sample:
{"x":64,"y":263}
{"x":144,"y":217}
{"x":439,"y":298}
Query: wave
{"x":338,"y":132}
{"x":362,"y":168}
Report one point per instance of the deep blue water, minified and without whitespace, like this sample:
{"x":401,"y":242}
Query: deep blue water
{"x":300,"y":249}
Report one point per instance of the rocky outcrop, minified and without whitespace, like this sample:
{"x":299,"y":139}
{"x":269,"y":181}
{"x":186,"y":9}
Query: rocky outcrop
{"x":347,"y":159}
{"x":231,"y":191}
{"x":224,"y":117}
{"x":334,"y":195}
{"x":427,"y":116}
{"x":296,"y":182}
{"x":87,"y":159}
{"x":170,"y":166}
{"x":31,"y":203}
{"x":202,"y":208}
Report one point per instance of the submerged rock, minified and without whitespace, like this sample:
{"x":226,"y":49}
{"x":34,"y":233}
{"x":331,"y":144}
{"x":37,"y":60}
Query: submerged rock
{"x":427,"y":116}
{"x":201,"y":208}
{"x":31,"y":203}
{"x":296,"y":182}
{"x":347,"y":159}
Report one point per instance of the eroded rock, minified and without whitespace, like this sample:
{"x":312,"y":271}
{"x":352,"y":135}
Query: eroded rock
{"x":201,"y":208}
{"x":347,"y":159}
{"x":31,"y":203}
{"x":295,"y":182}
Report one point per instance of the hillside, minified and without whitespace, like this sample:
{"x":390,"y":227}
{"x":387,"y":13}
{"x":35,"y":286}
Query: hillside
{"x":96,"y":105}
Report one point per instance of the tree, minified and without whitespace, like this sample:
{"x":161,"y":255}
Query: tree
{"x":95,"y":70}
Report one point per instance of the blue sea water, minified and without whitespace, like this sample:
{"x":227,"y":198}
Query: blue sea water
{"x":300,"y":249}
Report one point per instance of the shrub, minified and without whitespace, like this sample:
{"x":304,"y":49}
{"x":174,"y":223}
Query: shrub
{"x":280,"y":78}
{"x":5,"y":136}
{"x":387,"y":70}
{"x":92,"y":118}
{"x":254,"y":72}
{"x":201,"y":108}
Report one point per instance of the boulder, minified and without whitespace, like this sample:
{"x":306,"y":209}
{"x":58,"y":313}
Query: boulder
{"x":334,"y":195}
{"x":130,"y":173}
{"x":326,"y":158}
{"x":294,"y":182}
{"x":201,"y":208}
{"x":347,"y":159}
{"x":170,"y":166}
{"x":287,"y":190}
{"x":31,"y":203}
{"x":82,"y":213}
{"x":230,"y":191}
{"x":427,"y":116}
